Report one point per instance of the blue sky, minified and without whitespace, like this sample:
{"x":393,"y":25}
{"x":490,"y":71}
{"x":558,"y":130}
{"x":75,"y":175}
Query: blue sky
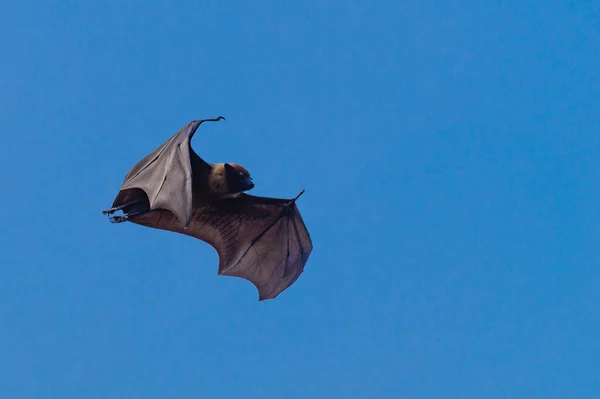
{"x":449,"y":152}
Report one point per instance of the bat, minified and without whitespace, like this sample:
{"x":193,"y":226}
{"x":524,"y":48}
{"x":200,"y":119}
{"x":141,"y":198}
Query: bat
{"x":261,"y":239}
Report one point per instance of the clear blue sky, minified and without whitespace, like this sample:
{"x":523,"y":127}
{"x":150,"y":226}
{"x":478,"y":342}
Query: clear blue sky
{"x":449,"y":152}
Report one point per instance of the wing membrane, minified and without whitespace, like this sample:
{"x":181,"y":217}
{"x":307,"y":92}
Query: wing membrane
{"x":263,"y":240}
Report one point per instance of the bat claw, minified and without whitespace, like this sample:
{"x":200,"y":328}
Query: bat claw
{"x":109,"y":211}
{"x":201,"y":121}
{"x":297,"y":196}
{"x":218,"y":118}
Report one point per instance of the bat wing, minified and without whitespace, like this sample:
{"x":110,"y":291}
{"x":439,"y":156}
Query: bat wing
{"x":165,"y":176}
{"x":263,"y":240}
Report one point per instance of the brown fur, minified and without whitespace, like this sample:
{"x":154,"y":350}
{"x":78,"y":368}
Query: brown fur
{"x":218,"y":182}
{"x":239,"y":168}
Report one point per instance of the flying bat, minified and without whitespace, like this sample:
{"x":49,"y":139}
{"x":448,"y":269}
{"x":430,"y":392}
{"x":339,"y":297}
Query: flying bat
{"x":263,"y":240}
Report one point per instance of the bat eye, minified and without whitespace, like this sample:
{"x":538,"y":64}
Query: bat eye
{"x":241,"y":173}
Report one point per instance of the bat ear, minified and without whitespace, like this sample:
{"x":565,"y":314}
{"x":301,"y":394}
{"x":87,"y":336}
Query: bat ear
{"x":228,"y":168}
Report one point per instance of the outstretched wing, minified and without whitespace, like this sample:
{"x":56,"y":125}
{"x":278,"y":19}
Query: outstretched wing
{"x":263,"y":240}
{"x":165,"y":176}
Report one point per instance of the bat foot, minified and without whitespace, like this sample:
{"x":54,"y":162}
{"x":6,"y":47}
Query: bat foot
{"x":109,"y":211}
{"x":119,"y":219}
{"x":124,"y":218}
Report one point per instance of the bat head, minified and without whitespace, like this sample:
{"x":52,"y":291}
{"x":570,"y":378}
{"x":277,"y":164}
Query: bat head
{"x":238,"y":178}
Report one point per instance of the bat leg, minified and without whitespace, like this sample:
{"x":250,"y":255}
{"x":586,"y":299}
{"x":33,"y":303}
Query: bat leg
{"x":118,"y":208}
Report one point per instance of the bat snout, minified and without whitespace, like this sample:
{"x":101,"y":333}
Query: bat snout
{"x":245,"y":183}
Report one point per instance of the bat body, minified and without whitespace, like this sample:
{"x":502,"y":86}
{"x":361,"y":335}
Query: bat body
{"x":261,"y":239}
